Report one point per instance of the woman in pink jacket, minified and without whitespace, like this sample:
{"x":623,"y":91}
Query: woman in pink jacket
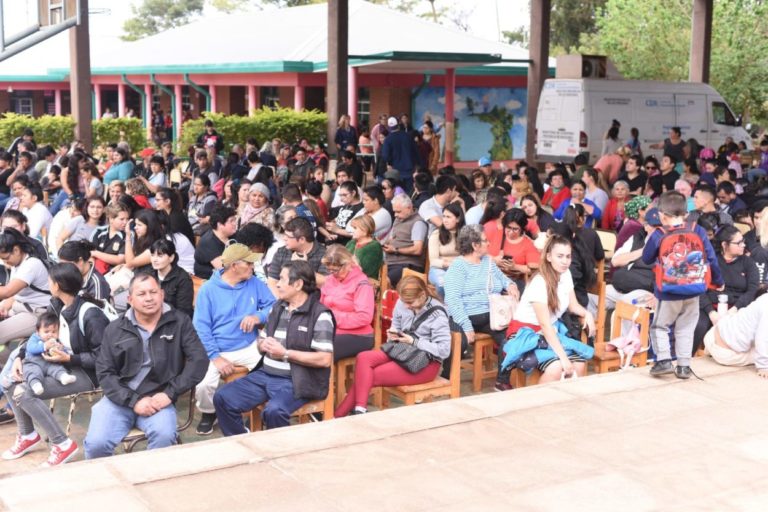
{"x":349,"y":295}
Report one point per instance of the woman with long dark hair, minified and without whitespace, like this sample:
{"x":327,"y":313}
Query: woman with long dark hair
{"x":147,"y":229}
{"x":539,"y":220}
{"x":167,"y":200}
{"x":518,"y":257}
{"x":82,"y":324}
{"x":443,"y":247}
{"x":491,"y":222}
{"x":174,"y":280}
{"x":84,"y":225}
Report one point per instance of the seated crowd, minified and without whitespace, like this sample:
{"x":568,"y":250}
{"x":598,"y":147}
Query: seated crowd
{"x":259,"y":269}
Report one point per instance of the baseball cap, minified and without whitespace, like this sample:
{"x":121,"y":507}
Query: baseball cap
{"x":146,"y":152}
{"x":652,"y":217}
{"x":239,"y":252}
{"x":484,"y":161}
{"x":392,"y":122}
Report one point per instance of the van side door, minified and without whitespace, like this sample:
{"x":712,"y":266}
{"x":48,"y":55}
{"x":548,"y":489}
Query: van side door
{"x":692,"y":116}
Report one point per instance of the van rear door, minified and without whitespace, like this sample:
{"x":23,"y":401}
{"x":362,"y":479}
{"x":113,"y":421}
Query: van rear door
{"x":560,"y":120}
{"x":691,"y":115}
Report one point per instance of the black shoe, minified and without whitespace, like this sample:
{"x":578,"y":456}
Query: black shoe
{"x":503,"y":386}
{"x":355,"y":412}
{"x":662,"y":368}
{"x":207,"y":422}
{"x":683,"y":372}
{"x":6,"y":416}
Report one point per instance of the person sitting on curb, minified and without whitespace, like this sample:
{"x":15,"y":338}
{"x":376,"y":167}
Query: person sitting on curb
{"x":298,"y":353}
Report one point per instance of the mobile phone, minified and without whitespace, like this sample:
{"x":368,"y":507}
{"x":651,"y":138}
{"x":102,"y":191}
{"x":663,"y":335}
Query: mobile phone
{"x":507,"y":258}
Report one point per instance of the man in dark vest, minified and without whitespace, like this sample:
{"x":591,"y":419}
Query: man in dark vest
{"x":297,"y":356}
{"x":404,"y":245}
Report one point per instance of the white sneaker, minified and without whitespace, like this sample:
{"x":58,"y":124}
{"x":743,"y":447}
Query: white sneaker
{"x":67,"y":378}
{"x":37,"y":387}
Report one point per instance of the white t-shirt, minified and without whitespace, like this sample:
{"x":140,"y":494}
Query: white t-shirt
{"x":58,"y":224}
{"x":38,"y":217}
{"x":536,"y":292}
{"x":185,"y":251}
{"x":382,"y":222}
{"x":428,"y":209}
{"x":33,"y":273}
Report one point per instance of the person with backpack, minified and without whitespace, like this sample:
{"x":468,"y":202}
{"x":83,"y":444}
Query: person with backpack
{"x":82,"y":324}
{"x":684,"y":261}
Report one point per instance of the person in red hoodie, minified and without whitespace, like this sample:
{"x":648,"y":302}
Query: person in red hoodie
{"x":349,"y":295}
{"x":559,"y":188}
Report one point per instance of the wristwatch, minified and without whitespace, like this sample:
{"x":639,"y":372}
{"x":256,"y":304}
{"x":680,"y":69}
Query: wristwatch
{"x":285,"y":356}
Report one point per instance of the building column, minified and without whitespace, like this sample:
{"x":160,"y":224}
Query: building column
{"x":352,"y":95}
{"x":179,"y":113}
{"x":57,"y":101}
{"x":538,"y":69}
{"x":252,"y":103}
{"x":214,"y":102}
{"x":298,"y":98}
{"x":336,"y":92}
{"x":120,"y":100}
{"x":450,"y":117}
{"x":97,"y":100}
{"x":148,"y":110}
{"x":701,"y":41}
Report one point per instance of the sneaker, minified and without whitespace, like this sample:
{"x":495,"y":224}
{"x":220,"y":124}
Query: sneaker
{"x":6,"y":415}
{"x":37,"y":387}
{"x":503,"y":386}
{"x":59,"y":456}
{"x":355,"y":412}
{"x":683,"y":372}
{"x":207,"y":422}
{"x":662,"y":368}
{"x":21,"y":447}
{"x":67,"y":378}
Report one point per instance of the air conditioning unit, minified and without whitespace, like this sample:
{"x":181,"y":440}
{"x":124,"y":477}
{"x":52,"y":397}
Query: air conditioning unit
{"x":581,"y":66}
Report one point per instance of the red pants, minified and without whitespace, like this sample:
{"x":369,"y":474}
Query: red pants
{"x":374,"y":368}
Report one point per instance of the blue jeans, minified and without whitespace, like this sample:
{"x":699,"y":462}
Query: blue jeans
{"x":437,"y":278}
{"x":754,"y":174}
{"x":110,"y":423}
{"x":58,"y":202}
{"x":3,"y":201}
{"x":242,"y":395}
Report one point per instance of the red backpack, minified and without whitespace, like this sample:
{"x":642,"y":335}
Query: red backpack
{"x":682,"y":267}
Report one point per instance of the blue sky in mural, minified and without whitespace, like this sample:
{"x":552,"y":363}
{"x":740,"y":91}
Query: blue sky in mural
{"x":491,"y":121}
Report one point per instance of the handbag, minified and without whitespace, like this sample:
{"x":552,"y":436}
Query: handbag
{"x":501,"y":308}
{"x":119,"y":279}
{"x":407,"y":355}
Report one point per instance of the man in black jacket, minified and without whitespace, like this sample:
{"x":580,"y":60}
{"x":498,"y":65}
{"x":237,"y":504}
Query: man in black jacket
{"x":153,"y":357}
{"x":297,"y":356}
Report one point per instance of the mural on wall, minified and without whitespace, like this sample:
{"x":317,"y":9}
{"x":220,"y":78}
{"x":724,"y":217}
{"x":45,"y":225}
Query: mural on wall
{"x":489,"y":121}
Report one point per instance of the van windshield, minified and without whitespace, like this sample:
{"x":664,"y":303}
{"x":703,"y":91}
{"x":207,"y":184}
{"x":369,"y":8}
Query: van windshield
{"x":721,"y":114}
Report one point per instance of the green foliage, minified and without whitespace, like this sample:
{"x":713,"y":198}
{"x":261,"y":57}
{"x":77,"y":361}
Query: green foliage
{"x":569,"y":20}
{"x":264,"y":125}
{"x":128,"y":129}
{"x":52,"y":130}
{"x":154,"y":16}
{"x":650,"y":40}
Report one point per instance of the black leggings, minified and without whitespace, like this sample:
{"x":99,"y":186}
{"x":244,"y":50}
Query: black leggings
{"x":349,"y":345}
{"x":482,"y":323}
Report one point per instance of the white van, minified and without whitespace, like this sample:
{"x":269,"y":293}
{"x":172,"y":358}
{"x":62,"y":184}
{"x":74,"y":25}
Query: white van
{"x":574,"y":115}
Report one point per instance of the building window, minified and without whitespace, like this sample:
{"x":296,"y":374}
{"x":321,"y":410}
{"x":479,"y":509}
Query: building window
{"x":22,"y":105}
{"x":156,"y":98}
{"x":270,"y":97}
{"x":186,"y":101}
{"x":363,"y":108}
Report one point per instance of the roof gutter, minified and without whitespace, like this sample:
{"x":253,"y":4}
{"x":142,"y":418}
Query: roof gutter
{"x":147,"y":118}
{"x":170,"y":93}
{"x":199,"y":89}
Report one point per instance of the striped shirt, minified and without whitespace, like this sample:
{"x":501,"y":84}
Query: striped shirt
{"x":322,"y":341}
{"x":467,"y":288}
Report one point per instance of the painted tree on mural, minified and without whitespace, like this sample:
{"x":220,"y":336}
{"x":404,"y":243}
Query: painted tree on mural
{"x":501,"y":121}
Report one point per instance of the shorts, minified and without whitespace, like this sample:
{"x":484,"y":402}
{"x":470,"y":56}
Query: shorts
{"x":574,"y":358}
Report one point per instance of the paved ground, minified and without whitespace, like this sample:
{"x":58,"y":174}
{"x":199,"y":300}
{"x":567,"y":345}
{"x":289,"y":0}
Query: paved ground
{"x":610,"y":442}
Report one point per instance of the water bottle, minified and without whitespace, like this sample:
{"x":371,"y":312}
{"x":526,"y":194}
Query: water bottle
{"x":722,"y":304}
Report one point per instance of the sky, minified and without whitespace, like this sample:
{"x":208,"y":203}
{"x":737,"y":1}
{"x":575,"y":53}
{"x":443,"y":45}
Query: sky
{"x":108,"y":15}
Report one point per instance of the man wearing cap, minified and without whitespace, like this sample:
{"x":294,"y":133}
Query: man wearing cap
{"x":153,"y":358}
{"x":298,"y":354}
{"x":485,"y":164}
{"x":229,"y":310}
{"x":399,"y":152}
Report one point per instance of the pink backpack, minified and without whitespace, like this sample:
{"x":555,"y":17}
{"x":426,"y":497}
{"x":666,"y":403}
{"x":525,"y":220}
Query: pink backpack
{"x":627,"y":345}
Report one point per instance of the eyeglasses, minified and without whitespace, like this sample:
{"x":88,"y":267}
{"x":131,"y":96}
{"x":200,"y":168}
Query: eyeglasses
{"x":740,"y":242}
{"x":513,"y":229}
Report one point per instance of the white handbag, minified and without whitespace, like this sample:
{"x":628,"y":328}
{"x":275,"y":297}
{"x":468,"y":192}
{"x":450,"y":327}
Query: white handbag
{"x":501,"y":307}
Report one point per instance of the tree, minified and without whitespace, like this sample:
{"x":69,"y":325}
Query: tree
{"x":154,"y":16}
{"x":569,"y":20}
{"x":650,"y":40}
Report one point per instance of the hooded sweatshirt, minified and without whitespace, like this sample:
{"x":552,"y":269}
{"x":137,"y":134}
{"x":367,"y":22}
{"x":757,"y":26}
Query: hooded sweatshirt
{"x":220,"y":308}
{"x":350,"y":300}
